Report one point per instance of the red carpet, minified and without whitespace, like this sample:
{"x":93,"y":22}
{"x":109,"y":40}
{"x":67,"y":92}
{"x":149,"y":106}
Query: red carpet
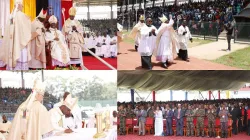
{"x":241,"y":136}
{"x":91,"y":63}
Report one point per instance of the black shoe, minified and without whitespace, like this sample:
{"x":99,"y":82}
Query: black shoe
{"x":222,"y":135}
{"x":164,"y":65}
{"x":226,"y":135}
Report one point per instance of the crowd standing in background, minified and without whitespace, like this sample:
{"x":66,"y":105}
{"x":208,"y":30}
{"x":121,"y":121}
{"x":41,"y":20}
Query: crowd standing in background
{"x":190,"y":115}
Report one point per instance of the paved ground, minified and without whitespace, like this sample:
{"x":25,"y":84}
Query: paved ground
{"x":214,"y":50}
{"x":128,"y":59}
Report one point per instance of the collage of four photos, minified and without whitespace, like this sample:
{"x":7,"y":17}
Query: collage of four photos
{"x":124,"y":69}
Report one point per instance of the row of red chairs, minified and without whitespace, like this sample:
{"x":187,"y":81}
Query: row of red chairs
{"x":131,"y":124}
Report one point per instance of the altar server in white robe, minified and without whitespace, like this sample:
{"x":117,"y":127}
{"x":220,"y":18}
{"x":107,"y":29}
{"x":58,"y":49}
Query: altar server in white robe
{"x":147,"y":43}
{"x":15,"y":51}
{"x":184,"y":36}
{"x":59,"y":49}
{"x":75,"y":120}
{"x":32,"y":120}
{"x":135,"y":33}
{"x":166,"y":42}
{"x":98,"y":44}
{"x":56,"y":117}
{"x":38,"y":56}
{"x":158,"y":122}
{"x":105,"y":48}
{"x":73,"y":31}
{"x":113,"y":45}
{"x":88,"y":44}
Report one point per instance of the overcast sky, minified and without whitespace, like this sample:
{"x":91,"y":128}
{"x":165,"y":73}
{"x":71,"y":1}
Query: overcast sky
{"x":13,"y":79}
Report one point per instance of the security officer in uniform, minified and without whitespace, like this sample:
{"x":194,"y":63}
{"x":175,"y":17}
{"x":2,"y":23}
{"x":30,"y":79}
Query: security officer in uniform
{"x":122,"y":117}
{"x":200,"y":113}
{"x":211,"y":115}
{"x":189,"y":118}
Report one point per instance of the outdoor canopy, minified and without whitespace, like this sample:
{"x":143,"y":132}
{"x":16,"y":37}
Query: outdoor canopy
{"x":183,"y":80}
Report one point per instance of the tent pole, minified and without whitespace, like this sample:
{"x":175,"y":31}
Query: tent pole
{"x":132,"y":91}
{"x":186,"y":95}
{"x":153,"y":96}
{"x":171,"y":95}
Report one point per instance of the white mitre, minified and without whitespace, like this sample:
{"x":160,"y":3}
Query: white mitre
{"x":163,"y":18}
{"x":41,"y":15}
{"x":52,"y":19}
{"x":19,"y":2}
{"x":119,"y":27}
{"x":70,"y":102}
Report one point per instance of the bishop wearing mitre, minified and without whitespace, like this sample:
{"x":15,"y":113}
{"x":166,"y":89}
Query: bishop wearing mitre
{"x":32,"y":120}
{"x":73,"y":31}
{"x":38,"y":56}
{"x":74,"y":121}
{"x":135,"y":33}
{"x":56,"y":40}
{"x":15,"y":50}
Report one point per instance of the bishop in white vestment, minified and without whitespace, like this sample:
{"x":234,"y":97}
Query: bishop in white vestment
{"x":59,"y":49}
{"x":135,"y":33}
{"x":73,"y":31}
{"x":57,"y":114}
{"x":147,"y":43}
{"x":166,"y":42}
{"x":38,"y":56}
{"x":15,"y":51}
{"x":74,"y":121}
{"x":32,"y":120}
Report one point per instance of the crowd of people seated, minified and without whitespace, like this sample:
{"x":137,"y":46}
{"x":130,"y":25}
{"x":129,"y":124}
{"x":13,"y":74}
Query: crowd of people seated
{"x":196,"y":13}
{"x":102,"y":25}
{"x":211,"y":118}
{"x":11,"y":98}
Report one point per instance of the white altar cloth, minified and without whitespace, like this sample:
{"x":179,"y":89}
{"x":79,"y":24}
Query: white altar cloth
{"x":85,"y":134}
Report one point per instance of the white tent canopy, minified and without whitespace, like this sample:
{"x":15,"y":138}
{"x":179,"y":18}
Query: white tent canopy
{"x":183,"y":80}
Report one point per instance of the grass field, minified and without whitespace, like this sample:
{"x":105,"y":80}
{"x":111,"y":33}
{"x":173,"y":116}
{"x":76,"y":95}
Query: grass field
{"x":238,"y":59}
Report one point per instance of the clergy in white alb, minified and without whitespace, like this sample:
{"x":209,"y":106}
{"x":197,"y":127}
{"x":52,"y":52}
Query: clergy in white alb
{"x":32,"y":120}
{"x":166,"y":42}
{"x":113,"y":45}
{"x":105,"y":46}
{"x":15,"y":51}
{"x":98,"y":42}
{"x":89,"y":44}
{"x":73,"y":31}
{"x":147,"y":43}
{"x":59,"y":49}
{"x":184,"y":37}
{"x":38,"y":56}
{"x":75,"y":120}
{"x":135,"y":33}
